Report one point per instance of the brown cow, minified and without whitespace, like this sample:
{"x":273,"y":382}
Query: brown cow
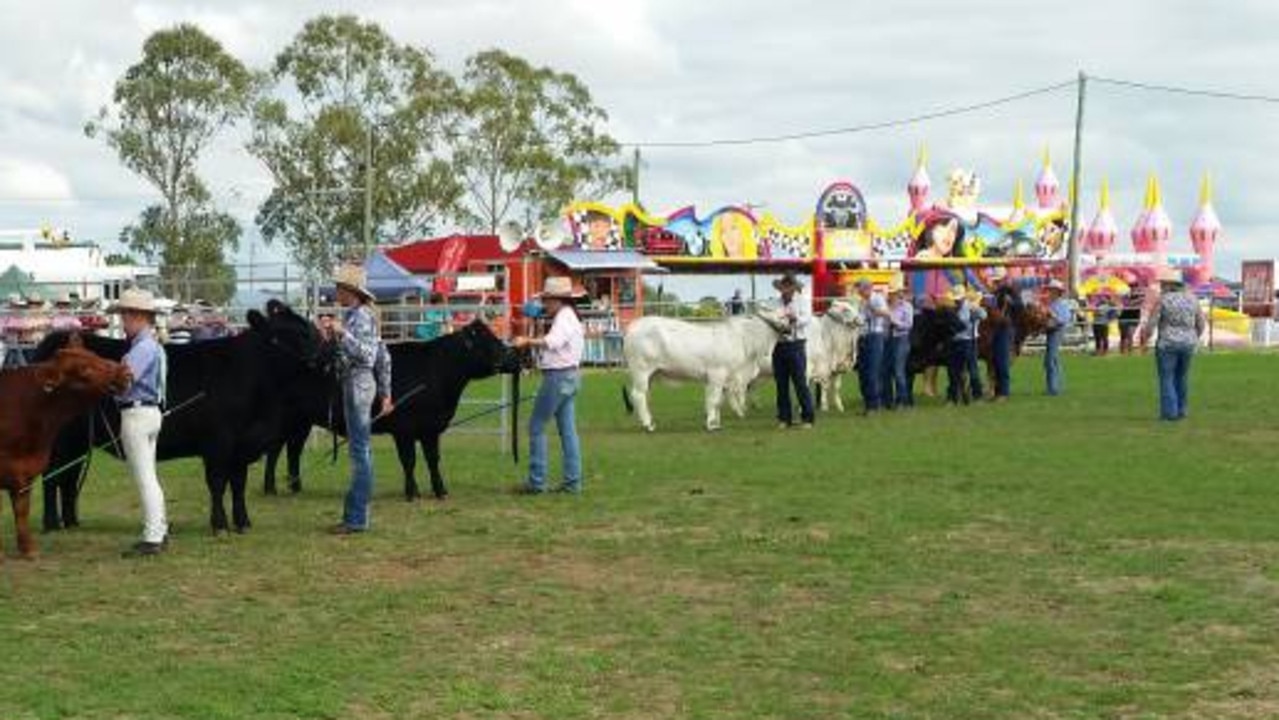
{"x":1030,"y":321}
{"x":35,"y":402}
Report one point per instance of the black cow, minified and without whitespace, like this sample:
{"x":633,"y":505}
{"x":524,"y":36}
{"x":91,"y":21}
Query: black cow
{"x":428,"y":379}
{"x":930,"y":338}
{"x":226,"y":402}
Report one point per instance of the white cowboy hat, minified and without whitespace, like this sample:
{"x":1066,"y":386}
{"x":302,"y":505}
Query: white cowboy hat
{"x":137,"y":300}
{"x":560,"y":286}
{"x":1057,"y":285}
{"x":1170,"y":277}
{"x":896,"y":286}
{"x":352,"y":277}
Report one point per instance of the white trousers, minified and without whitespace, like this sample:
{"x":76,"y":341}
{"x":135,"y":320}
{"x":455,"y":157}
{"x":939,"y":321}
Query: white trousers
{"x":139,"y":431}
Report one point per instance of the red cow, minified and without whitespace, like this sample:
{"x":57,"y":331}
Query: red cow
{"x":37,"y":401}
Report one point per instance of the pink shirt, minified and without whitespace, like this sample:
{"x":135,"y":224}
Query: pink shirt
{"x":564,"y":342}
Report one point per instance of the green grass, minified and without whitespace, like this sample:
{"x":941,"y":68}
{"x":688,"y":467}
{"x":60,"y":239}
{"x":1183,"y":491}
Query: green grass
{"x":1048,"y":558}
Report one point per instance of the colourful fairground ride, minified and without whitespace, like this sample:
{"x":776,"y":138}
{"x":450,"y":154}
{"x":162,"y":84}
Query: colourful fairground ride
{"x":955,"y":240}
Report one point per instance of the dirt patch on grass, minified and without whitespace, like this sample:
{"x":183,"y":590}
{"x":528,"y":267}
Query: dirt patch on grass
{"x":628,"y":577}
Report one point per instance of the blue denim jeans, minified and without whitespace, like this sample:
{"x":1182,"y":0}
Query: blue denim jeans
{"x":358,"y":392}
{"x":1173,"y":365}
{"x":1001,"y":350}
{"x":957,"y":355}
{"x":556,"y":398}
{"x":897,"y":391}
{"x":1052,"y":362}
{"x":870,"y":370}
{"x":790,"y":367}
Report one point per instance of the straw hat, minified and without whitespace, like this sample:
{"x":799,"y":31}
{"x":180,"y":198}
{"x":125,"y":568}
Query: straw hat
{"x":896,"y":287}
{"x":788,"y":281}
{"x":957,"y":293}
{"x":1168,"y":276}
{"x":560,"y":287}
{"x":136,"y":300}
{"x":352,"y":277}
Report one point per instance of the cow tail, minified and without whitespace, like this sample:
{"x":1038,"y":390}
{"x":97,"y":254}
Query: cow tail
{"x":817,"y":395}
{"x":626,"y":400}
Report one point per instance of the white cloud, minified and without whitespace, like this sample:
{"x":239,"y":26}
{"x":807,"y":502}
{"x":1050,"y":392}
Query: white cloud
{"x":34,"y":181}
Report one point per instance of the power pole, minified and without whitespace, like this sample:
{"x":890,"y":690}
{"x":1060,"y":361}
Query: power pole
{"x":368,"y":191}
{"x":1075,"y":171}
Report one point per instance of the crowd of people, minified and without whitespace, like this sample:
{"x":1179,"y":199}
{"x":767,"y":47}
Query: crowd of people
{"x":1170,"y":313}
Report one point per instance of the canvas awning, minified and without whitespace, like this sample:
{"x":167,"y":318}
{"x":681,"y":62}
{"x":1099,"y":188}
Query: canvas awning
{"x":604,"y":260}
{"x":387,"y":280}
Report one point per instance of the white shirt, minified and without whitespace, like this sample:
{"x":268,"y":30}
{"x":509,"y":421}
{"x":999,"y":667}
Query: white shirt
{"x":564,"y":342}
{"x":800,"y":308}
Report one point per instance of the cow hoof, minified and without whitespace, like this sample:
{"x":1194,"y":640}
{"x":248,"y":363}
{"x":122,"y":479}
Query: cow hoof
{"x":295,"y":485}
{"x":29,"y":556}
{"x":242,"y":530}
{"x":650,"y":428}
{"x":270,"y":491}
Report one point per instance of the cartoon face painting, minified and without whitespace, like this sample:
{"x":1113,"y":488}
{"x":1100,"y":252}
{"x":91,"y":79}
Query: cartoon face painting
{"x":599,"y":230}
{"x":734,"y":236}
{"x":1052,"y":237}
{"x":940,"y":238}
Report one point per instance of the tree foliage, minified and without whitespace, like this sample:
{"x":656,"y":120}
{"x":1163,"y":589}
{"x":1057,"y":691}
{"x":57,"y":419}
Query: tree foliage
{"x":165,"y":111}
{"x":530,"y":139}
{"x":343,"y":88}
{"x":194,"y":268}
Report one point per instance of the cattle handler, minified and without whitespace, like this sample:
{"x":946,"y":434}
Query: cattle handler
{"x":560,"y":361}
{"x":359,"y":349}
{"x":141,"y":415}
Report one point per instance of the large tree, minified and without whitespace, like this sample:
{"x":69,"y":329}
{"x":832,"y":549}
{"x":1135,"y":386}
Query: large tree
{"x":346,"y":94}
{"x":195,"y":268}
{"x":166,"y":110}
{"x":531,"y":139}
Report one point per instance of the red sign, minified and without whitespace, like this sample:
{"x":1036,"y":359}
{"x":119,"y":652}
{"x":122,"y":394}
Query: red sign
{"x":451,"y":259}
{"x":1258,"y":288}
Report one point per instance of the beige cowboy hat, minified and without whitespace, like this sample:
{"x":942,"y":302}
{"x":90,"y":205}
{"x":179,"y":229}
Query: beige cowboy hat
{"x":560,"y":287}
{"x":1168,"y":276}
{"x":787,"y":281}
{"x":353,"y":278}
{"x":896,"y":287}
{"x":957,"y":293}
{"x":1057,"y":285}
{"x":136,"y":300}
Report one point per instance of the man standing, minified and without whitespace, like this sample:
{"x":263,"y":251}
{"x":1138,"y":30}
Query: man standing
{"x":1007,"y":302}
{"x":141,"y":417}
{"x":1060,"y":316}
{"x":870,"y":354}
{"x":736,"y":306}
{"x":790,"y":356}
{"x":897,"y":385}
{"x":1179,"y":322}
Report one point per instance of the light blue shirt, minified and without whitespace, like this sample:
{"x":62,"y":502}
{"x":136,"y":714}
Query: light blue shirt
{"x":1061,"y":314}
{"x":149,"y":365}
{"x":359,"y":339}
{"x":876,"y":324}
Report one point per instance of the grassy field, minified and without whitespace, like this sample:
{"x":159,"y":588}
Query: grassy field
{"x":1049,"y":558}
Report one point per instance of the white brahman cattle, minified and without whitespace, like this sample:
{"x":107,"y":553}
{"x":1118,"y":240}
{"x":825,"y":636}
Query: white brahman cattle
{"x":832,"y":351}
{"x":724,"y":354}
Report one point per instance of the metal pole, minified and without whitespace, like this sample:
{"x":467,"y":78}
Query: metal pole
{"x":368,"y":191}
{"x":1075,"y":171}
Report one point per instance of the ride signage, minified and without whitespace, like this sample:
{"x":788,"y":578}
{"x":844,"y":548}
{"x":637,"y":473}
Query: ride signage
{"x":1258,"y":288}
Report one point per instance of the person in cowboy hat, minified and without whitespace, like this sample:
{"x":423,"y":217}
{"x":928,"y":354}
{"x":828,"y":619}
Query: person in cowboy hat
{"x":560,"y":361}
{"x":897,"y":381}
{"x":1060,"y":316}
{"x":1179,"y":322}
{"x":962,"y":357}
{"x":790,"y":354}
{"x":1007,"y":308}
{"x":359,"y":346}
{"x":140,"y":414}
{"x":870,"y":346}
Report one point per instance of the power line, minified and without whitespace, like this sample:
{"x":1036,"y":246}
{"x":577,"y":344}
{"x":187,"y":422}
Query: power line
{"x":867,"y":127}
{"x":1179,"y":90}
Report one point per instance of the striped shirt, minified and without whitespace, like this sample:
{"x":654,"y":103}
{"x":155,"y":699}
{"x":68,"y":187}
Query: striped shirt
{"x":565,"y":342}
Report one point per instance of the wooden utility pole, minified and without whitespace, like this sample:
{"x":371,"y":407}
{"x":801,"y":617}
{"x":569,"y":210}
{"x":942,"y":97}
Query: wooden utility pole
{"x":1075,"y":171}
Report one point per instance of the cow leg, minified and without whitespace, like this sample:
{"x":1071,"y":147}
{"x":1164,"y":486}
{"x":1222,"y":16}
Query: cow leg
{"x":431,"y":449}
{"x":268,"y":468}
{"x":714,"y":396}
{"x":639,"y":398}
{"x":295,"y":447}
{"x":215,"y":478}
{"x":836,"y":390}
{"x":406,"y":448}
{"x":52,"y":520}
{"x":239,"y":506}
{"x":22,"y":519}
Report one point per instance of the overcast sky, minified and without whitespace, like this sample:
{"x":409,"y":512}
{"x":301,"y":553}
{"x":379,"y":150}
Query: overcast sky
{"x":683,"y":70}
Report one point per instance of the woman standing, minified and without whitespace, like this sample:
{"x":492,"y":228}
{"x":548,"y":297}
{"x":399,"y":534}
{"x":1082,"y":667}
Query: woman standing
{"x":560,"y":361}
{"x":359,"y":345}
{"x":1179,"y":322}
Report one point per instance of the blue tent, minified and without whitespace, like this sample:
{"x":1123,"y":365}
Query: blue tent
{"x":387,"y":280}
